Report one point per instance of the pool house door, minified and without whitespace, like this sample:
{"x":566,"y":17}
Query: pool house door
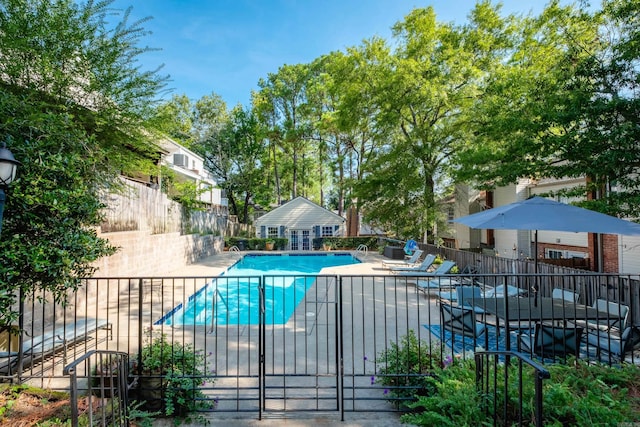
{"x":300,"y":240}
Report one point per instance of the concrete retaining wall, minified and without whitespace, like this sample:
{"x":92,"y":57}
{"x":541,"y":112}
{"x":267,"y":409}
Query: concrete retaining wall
{"x":144,"y":254}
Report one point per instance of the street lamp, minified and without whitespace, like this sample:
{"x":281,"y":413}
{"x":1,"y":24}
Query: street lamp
{"x":8,"y":168}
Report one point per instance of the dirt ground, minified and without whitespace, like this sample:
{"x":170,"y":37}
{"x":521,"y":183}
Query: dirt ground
{"x":23,"y":406}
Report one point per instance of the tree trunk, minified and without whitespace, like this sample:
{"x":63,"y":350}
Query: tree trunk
{"x":276,"y":175}
{"x":295,"y":173}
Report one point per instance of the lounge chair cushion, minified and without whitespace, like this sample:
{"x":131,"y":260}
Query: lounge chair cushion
{"x":423,"y":267}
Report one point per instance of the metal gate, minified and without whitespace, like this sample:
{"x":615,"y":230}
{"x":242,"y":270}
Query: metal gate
{"x":289,"y":360}
{"x":300,"y":356}
{"x":319,"y":354}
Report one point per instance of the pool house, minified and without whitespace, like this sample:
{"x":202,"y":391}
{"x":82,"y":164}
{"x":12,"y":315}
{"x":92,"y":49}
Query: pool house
{"x":300,"y":221}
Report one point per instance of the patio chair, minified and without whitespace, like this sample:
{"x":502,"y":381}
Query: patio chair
{"x":499,"y":291}
{"x":459,"y":321}
{"x":611,"y":333}
{"x":614,"y":316}
{"x":41,"y":346}
{"x":405,"y":262}
{"x":609,"y":344}
{"x":469,"y":297}
{"x":436,"y":282}
{"x":550,"y":341}
{"x":424,"y":266}
{"x":564,"y":294}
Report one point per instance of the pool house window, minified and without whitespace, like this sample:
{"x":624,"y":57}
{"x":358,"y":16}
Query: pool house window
{"x":272,"y":232}
{"x":327,"y":231}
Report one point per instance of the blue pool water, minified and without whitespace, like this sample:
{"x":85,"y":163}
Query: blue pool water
{"x":233,"y":299}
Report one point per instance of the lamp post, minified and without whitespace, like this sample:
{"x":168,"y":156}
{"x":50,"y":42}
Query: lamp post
{"x":8,"y":168}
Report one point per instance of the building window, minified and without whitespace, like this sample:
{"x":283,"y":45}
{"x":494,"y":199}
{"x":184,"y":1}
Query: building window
{"x":450,"y":213}
{"x":554,"y":254}
{"x":272,"y":232}
{"x":327,"y":231}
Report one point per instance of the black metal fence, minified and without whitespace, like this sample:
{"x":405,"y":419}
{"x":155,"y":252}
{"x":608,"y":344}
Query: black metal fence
{"x":502,"y":388}
{"x":104,"y":375}
{"x":323,"y":343}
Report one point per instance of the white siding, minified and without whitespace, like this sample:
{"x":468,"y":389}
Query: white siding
{"x":460,"y":232}
{"x":504,"y":196}
{"x":505,"y":239}
{"x":563,"y":238}
{"x":300,"y":214}
{"x":629,"y":254}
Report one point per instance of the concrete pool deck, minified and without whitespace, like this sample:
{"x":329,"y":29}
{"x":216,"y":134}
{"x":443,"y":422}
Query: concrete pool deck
{"x":371,"y":263}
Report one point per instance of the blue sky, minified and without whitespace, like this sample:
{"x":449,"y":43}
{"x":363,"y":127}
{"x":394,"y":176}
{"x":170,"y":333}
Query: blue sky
{"x":226,"y":46}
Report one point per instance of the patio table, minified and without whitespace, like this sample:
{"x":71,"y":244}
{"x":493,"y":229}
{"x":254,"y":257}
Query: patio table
{"x":531,"y":310}
{"x":516,"y":309}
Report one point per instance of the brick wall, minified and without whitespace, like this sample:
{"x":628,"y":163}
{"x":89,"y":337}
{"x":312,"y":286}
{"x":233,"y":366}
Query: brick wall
{"x":609,"y":249}
{"x":610,"y":253}
{"x":145,"y":254}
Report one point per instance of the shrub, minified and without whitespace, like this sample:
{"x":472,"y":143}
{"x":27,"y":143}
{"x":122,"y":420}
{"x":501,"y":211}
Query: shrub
{"x":172,"y":372}
{"x":577,"y":393}
{"x":453,"y":399}
{"x":407,"y":369}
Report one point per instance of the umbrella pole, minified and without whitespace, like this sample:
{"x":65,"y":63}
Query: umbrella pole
{"x":535,"y":269}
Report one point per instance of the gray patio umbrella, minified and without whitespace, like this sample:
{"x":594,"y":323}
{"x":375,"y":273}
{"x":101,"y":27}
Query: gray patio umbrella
{"x":538,"y":213}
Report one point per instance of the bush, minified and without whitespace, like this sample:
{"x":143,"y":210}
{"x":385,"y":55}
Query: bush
{"x":577,"y":393}
{"x":407,"y":370}
{"x":255,"y":244}
{"x":171,"y":374}
{"x":345,"y":243}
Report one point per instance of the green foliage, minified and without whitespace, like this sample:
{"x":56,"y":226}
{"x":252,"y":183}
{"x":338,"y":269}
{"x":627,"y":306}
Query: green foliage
{"x":407,"y":369}
{"x":183,"y":370}
{"x":139,"y":416}
{"x":175,"y":119}
{"x":454,"y":400}
{"x":578,"y":393}
{"x":187,"y":193}
{"x":564,"y":105}
{"x":74,"y":100}
{"x":256,"y":243}
{"x":233,"y":150}
{"x":344,"y":243}
{"x":591,"y":394}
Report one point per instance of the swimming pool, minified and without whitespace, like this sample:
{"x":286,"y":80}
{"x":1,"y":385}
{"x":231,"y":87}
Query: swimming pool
{"x":234,"y":298}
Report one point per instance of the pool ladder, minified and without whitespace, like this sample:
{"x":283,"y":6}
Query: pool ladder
{"x":362,"y":250}
{"x":213,"y":309}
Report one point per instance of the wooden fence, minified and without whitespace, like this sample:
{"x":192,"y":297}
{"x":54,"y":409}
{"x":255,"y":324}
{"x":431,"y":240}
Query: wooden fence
{"x":138,"y":207}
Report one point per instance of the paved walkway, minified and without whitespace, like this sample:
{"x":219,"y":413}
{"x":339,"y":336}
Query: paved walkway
{"x":379,"y":419}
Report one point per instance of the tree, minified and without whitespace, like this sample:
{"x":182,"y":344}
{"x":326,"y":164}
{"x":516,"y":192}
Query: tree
{"x":234,"y":154}
{"x":282,"y":97}
{"x":566,"y":106}
{"x":339,"y":96}
{"x":73,"y":100}
{"x":175,"y":118}
{"x":425,"y":90}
